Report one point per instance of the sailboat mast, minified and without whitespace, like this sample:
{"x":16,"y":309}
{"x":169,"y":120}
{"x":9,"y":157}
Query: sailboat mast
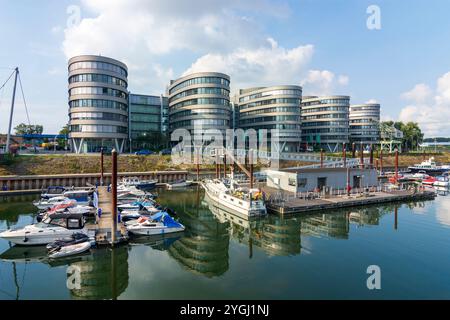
{"x":8,"y":138}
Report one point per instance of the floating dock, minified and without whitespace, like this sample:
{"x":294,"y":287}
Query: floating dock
{"x":104,"y":226}
{"x":293,"y":205}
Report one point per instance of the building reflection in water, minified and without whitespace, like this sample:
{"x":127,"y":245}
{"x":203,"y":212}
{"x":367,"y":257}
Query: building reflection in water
{"x":204,"y":247}
{"x":103,"y":274}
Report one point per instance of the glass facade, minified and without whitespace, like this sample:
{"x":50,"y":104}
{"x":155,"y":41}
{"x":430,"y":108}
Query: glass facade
{"x":98,"y":103}
{"x":98,"y":65}
{"x":148,"y":117}
{"x":273,"y":108}
{"x":200,"y":99}
{"x":325,"y":122}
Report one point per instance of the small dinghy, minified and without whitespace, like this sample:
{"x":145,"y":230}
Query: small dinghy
{"x":70,"y":250}
{"x":78,"y":243}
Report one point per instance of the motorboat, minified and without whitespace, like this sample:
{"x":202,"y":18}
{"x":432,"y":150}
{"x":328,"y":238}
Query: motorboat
{"x":54,"y":227}
{"x":79,"y":243}
{"x":430,"y":167}
{"x":129,"y":191}
{"x":241,"y":201}
{"x":81,"y":196}
{"x":148,"y":226}
{"x":179,"y":184}
{"x":53,"y":191}
{"x":70,"y":250}
{"x":138,"y":183}
{"x":441,"y":181}
{"x":429,"y":181}
{"x":137,"y":205}
{"x":45,"y":204}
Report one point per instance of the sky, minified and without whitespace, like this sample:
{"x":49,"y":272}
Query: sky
{"x":326,"y":46}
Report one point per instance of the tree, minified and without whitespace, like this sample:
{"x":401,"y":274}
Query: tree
{"x":64,"y":131}
{"x":23,"y":128}
{"x":412,"y":134}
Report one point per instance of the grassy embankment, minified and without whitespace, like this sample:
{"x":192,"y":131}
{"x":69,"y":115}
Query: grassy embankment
{"x":66,"y":164}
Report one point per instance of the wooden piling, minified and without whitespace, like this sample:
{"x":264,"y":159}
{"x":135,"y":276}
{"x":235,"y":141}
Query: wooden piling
{"x":344,"y":154}
{"x":114,"y":196}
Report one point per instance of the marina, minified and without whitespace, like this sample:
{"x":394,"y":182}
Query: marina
{"x":220,"y":256}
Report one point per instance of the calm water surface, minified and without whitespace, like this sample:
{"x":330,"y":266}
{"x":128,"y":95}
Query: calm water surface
{"x":302,"y":257}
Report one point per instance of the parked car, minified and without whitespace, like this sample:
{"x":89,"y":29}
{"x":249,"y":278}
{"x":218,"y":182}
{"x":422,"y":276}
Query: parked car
{"x":165,"y":152}
{"x":143,"y":152}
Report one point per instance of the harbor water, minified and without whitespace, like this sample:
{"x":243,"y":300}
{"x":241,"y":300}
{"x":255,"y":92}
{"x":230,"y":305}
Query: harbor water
{"x":323,"y":255}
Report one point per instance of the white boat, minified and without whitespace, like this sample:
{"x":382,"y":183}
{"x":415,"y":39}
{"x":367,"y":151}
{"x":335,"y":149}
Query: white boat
{"x":429,"y":166}
{"x":70,"y":250}
{"x":147,"y":226}
{"x":123,"y":190}
{"x":441,"y":181}
{"x":138,"y":183}
{"x":179,"y":184}
{"x":55,"y":227}
{"x":49,"y":203}
{"x":53,"y":191}
{"x":243,"y":202}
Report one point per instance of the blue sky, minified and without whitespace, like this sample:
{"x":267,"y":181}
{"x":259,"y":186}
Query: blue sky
{"x":323,"y":45}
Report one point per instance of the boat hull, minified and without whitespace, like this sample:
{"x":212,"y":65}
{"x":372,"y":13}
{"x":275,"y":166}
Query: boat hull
{"x":232,"y":208}
{"x":427,"y":171}
{"x":149,"y":231}
{"x":71,"y":250}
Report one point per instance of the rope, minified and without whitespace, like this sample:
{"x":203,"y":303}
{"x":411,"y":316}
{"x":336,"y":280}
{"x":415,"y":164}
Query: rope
{"x":24,"y":101}
{"x":7,"y":80}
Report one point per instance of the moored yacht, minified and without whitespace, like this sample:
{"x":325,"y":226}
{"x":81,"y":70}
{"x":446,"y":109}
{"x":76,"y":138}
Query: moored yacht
{"x":54,"y":227}
{"x":430,"y":167}
{"x":229,"y":196}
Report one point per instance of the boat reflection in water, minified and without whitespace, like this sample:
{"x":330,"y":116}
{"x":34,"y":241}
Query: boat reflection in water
{"x":204,"y":247}
{"x":101,"y":274}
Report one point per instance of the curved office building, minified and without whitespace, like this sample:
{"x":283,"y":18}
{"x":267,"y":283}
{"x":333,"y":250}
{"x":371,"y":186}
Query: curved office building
{"x":364,"y":124}
{"x":269,"y":108}
{"x":325,"y":121}
{"x":98,"y":103}
{"x":200,"y":99}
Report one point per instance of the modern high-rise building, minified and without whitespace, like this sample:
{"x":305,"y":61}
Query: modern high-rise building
{"x":148,"y":121}
{"x":276,"y":107}
{"x":325,"y":121}
{"x":364,"y":124}
{"x":98,"y":103}
{"x":200,"y":99}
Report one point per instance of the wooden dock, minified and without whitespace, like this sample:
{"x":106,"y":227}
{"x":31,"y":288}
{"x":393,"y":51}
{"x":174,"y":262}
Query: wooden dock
{"x":293,"y":205}
{"x":103,"y":227}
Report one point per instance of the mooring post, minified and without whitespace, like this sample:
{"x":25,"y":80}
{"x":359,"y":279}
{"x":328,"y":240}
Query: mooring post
{"x":353,"y":150}
{"x":224,"y":166}
{"x":198,"y":164}
{"x":101,"y":167}
{"x":344,"y":154}
{"x":361,"y":156}
{"x":396,"y":165}
{"x":371,"y":156}
{"x":114,"y":196}
{"x":250,"y":159}
{"x":217,"y":165}
{"x":321,"y":158}
{"x":381,"y":161}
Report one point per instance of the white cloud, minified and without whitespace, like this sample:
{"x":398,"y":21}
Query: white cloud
{"x":154,"y":38}
{"x":430,"y":108}
{"x":370,"y":101}
{"x":322,"y":82}
{"x":420,"y":93}
{"x":56,"y":30}
{"x":267,"y":65}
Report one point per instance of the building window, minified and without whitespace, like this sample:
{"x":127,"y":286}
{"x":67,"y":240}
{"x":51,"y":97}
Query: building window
{"x":301,"y":182}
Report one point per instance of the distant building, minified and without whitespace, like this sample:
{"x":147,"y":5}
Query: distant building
{"x":148,"y":121}
{"x":200,"y":99}
{"x":325,"y":121}
{"x":364,"y":121}
{"x":268,"y":108}
{"x":98,"y":103}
